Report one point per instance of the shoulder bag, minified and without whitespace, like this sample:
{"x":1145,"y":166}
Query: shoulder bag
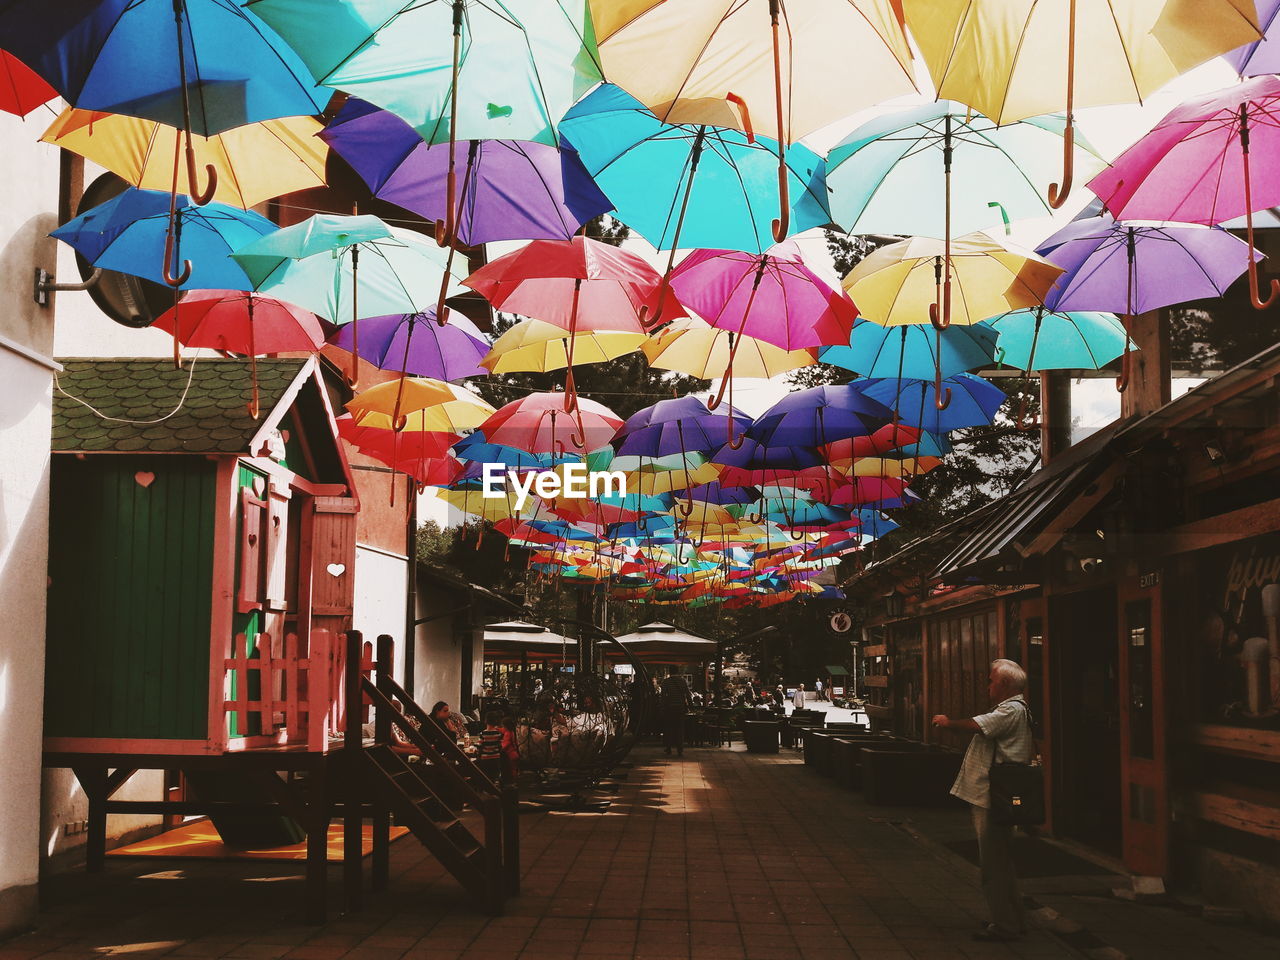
{"x":1017,"y":790}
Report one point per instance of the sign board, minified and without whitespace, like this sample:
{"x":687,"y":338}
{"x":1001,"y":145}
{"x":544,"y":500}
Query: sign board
{"x":840,"y":622}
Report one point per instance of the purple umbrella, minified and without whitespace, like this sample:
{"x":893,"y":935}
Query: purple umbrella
{"x":1132,"y":267}
{"x":1262,"y":56}
{"x":821,"y":415}
{"x":681,"y":425}
{"x":415,"y":344}
{"x":509,"y":189}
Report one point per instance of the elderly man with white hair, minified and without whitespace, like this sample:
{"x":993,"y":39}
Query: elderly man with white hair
{"x":1001,"y":736}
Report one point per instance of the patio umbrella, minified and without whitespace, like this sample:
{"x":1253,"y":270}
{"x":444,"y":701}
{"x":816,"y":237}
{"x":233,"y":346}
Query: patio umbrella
{"x":691,"y":185}
{"x":253,"y":163}
{"x":539,"y":346}
{"x":1131,"y":267}
{"x":772,"y":296}
{"x":781,"y":69}
{"x":21,"y":88}
{"x":1008,"y":59}
{"x":1194,"y":166}
{"x":414,"y":343}
{"x":234,"y":321}
{"x":579,"y":284}
{"x":509,"y":189}
{"x":454,"y":69}
{"x":691,"y":345}
{"x":346,"y":269}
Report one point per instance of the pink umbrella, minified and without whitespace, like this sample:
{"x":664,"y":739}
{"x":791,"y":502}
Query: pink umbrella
{"x":579,"y":284}
{"x":539,"y":423}
{"x":1195,"y":165}
{"x":771,"y":296}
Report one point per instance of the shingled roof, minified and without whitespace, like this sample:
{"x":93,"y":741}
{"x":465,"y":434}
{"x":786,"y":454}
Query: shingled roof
{"x":213,"y":417}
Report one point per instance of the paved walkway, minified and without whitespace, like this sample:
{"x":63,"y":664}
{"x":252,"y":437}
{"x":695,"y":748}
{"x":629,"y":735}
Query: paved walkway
{"x":722,"y":856}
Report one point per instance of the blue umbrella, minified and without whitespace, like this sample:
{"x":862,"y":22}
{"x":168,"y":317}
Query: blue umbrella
{"x":912,"y":350}
{"x":1040,"y":339}
{"x":821,"y":415}
{"x":974,"y":401}
{"x":691,"y":185}
{"x":678,"y":426}
{"x":130,"y":233}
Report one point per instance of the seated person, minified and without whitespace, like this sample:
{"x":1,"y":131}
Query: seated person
{"x":448,"y":722}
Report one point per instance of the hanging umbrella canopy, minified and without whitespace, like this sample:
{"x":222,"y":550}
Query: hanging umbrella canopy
{"x":521,"y":63}
{"x":692,"y":346}
{"x":254,"y":162}
{"x":693,"y":63}
{"x":1135,"y":266}
{"x":315,"y":264}
{"x":129,"y":233}
{"x":416,"y":344}
{"x":820,"y":415}
{"x":680,"y":426}
{"x":222,"y":320}
{"x":974,"y":402}
{"x":382,"y":443}
{"x":889,"y":175}
{"x":691,"y":185}
{"x":238,"y":70}
{"x":772,"y":296}
{"x":1038,"y":339}
{"x":912,"y":350}
{"x":897,"y":283}
{"x":21,"y":88}
{"x":1261,"y":57}
{"x":426,"y":404}
{"x":538,"y":423}
{"x":539,"y":346}
{"x":509,"y":190}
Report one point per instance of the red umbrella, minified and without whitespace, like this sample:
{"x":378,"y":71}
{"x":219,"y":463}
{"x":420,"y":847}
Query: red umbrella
{"x":406,"y":444}
{"x":21,"y":88}
{"x":538,"y":423}
{"x":579,"y":284}
{"x":234,"y":321}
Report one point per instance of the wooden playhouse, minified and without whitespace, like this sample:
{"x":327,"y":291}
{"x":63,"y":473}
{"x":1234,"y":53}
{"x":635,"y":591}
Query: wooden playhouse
{"x":201,"y":576}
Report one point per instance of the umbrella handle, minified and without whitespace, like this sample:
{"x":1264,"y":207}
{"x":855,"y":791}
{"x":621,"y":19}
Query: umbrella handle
{"x":686,"y":508}
{"x":1254,"y":296}
{"x":446,"y":227}
{"x":199,"y":197}
{"x":1058,"y":194}
{"x":782,"y":225}
{"x":1126,"y":368}
{"x":1022,"y":423}
{"x":940,"y":310}
{"x":185,"y":273}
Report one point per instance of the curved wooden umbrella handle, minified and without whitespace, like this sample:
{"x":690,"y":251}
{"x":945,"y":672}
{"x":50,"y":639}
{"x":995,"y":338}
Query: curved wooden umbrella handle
{"x":782,"y":225}
{"x":1126,"y":368}
{"x":1254,"y":295}
{"x":1058,"y":194}
{"x":200,"y":197}
{"x":184,"y":274}
{"x":686,"y":508}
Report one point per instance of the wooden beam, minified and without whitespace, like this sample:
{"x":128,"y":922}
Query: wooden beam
{"x":1214,"y":531}
{"x":1250,"y":811}
{"x":1238,"y":741}
{"x":1072,"y":513}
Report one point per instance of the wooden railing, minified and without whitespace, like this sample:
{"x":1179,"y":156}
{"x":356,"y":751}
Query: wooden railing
{"x":295,"y":700}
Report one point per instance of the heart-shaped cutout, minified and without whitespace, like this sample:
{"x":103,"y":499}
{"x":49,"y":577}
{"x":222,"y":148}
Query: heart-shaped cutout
{"x":144,"y":478}
{"x":284,"y":435}
{"x":336,"y":569}
{"x":259,"y":487}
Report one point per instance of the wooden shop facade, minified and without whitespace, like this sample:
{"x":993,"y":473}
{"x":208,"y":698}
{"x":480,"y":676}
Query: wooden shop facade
{"x":1136,"y":577}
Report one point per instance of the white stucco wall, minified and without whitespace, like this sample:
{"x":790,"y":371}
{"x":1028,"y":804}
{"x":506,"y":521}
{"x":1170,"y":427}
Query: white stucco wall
{"x":380,"y":597}
{"x":28,"y":205}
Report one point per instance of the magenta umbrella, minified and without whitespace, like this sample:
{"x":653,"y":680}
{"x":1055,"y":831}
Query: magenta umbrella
{"x":1202,"y":164}
{"x":771,"y":296}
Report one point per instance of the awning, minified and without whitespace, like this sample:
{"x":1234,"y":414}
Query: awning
{"x":837,"y":671}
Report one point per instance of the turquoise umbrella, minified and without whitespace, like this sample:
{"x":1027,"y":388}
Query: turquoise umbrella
{"x":913,"y":350}
{"x":691,"y":185}
{"x":1039,"y":339}
{"x":348,"y":268}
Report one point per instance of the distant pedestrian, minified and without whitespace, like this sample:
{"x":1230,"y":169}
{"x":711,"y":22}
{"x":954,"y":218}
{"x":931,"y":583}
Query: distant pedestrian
{"x":797,"y":698}
{"x":1001,"y":736}
{"x":674,"y":698}
{"x":817,"y":688}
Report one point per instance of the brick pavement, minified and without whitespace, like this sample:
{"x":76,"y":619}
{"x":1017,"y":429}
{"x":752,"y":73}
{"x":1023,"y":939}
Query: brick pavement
{"x":721,"y":856}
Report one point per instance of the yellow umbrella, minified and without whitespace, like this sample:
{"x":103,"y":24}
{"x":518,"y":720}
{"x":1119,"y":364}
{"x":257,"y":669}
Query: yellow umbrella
{"x":541,"y":346}
{"x":255,"y":162}
{"x":898,"y":283}
{"x":700,"y":350}
{"x":887,"y":466}
{"x":419,"y":403}
{"x":1012,"y":59}
{"x":780,"y":68}
{"x":652,"y":480}
{"x":478,"y":504}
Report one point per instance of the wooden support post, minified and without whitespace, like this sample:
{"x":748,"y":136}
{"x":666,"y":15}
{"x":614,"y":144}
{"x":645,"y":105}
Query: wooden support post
{"x":93,"y":780}
{"x":511,"y":838}
{"x":495,"y":882}
{"x":1150,"y":386}
{"x":353,"y":769}
{"x":318,"y":845}
{"x":381,"y":812}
